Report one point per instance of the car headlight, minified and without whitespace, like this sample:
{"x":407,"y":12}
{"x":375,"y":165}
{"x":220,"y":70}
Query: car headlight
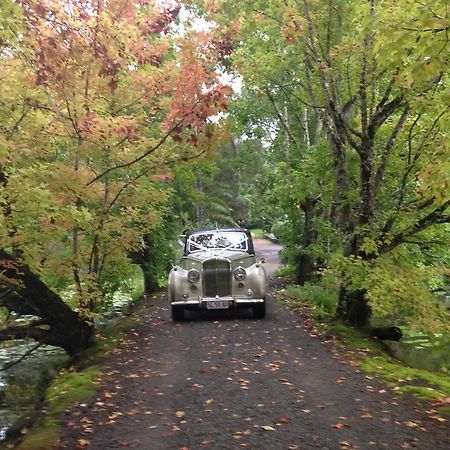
{"x":239,"y":274}
{"x":193,"y":276}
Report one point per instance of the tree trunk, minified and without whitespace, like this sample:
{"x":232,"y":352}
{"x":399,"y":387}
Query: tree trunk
{"x":305,"y":269}
{"x":306,"y":265}
{"x":144,"y":259}
{"x":200,"y":208}
{"x":150,"y":284}
{"x":23,"y":292}
{"x":353,"y":307}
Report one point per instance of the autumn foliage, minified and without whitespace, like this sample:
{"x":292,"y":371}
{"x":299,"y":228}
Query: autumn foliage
{"x":97,"y":99}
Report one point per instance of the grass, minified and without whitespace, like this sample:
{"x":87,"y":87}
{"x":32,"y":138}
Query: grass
{"x":286,"y":272}
{"x":257,"y":232}
{"x":320,"y":301}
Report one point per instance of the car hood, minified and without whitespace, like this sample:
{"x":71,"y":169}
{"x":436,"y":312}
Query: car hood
{"x":232,"y":255}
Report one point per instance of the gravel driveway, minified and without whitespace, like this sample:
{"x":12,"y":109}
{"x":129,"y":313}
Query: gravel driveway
{"x":227,"y":381}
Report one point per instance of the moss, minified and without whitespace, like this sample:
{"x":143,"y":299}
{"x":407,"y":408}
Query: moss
{"x":71,"y":387}
{"x":444,"y":410}
{"x":356,"y":339}
{"x":41,"y":439}
{"x":424,"y":393}
{"x":435,"y":382}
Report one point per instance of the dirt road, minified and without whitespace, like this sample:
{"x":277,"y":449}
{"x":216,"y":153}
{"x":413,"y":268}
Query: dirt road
{"x":227,"y":381}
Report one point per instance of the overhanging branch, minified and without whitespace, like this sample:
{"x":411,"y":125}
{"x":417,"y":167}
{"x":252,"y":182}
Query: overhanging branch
{"x":139,"y":158}
{"x":439,"y":215}
{"x":17,"y":361}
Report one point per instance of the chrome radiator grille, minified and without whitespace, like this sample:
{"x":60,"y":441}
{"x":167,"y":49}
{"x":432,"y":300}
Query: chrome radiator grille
{"x":216,"y":278}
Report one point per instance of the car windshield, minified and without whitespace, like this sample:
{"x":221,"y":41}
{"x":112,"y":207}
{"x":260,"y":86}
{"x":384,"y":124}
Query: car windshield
{"x":207,"y":240}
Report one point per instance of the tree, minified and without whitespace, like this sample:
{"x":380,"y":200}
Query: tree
{"x":103,"y":98}
{"x":381,"y":104}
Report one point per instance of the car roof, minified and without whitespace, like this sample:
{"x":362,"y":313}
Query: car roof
{"x":215,"y":230}
{"x":251,"y":250}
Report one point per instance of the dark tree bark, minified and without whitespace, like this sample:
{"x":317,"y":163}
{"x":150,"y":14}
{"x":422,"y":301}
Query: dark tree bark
{"x":353,"y":307}
{"x":306,"y":266}
{"x":23,"y":292}
{"x":144,"y":259}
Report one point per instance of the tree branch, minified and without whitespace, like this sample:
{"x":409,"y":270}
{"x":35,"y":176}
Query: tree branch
{"x":280,"y":117}
{"x":17,"y":361}
{"x":437,"y":216}
{"x":139,"y":158}
{"x":388,"y":148}
{"x":383,"y":113}
{"x":24,"y":332}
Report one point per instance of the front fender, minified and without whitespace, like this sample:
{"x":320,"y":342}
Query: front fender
{"x":257,"y":274}
{"x":177,"y":284}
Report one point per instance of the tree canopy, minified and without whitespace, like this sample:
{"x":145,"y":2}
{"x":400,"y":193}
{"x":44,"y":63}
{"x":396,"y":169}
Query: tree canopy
{"x":100,"y":102}
{"x":118,"y":130}
{"x":352,"y":102}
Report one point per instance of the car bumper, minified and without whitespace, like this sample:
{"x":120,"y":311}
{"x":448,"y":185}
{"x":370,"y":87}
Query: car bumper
{"x":218,"y":303}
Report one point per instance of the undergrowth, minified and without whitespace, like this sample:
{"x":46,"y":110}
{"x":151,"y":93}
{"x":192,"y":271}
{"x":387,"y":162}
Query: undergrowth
{"x":320,"y":300}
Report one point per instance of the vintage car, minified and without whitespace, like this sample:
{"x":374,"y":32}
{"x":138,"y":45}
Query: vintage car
{"x":219,"y":270}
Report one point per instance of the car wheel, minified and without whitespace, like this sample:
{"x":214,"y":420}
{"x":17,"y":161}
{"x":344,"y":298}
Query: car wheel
{"x":259,"y":311}
{"x":177,"y":313}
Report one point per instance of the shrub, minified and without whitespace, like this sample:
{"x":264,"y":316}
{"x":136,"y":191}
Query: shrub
{"x":315,"y":295}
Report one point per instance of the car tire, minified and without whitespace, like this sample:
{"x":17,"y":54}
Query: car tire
{"x":259,"y":311}
{"x":177,"y":313}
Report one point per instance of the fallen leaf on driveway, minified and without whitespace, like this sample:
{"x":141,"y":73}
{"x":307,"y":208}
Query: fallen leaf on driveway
{"x":283,"y":420}
{"x":180,"y":414}
{"x":82,"y":443}
{"x":411,"y":424}
{"x":267,"y":428}
{"x":339,"y":426}
{"x":438,"y":418}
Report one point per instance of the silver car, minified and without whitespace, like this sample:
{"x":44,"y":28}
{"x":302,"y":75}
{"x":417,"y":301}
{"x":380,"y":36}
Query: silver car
{"x":219,"y":270}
